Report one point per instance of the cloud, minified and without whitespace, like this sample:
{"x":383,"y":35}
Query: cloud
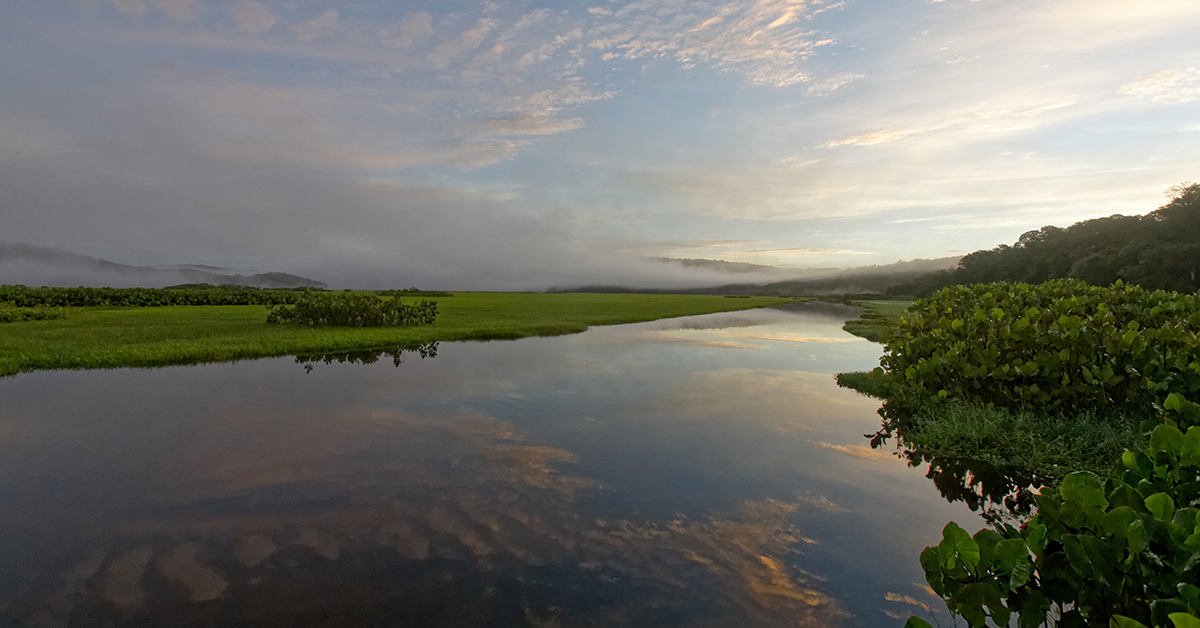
{"x":859,"y":451}
{"x":451,"y":48}
{"x":318,"y":27}
{"x":178,"y":10}
{"x":761,"y":40}
{"x":988,"y":121}
{"x":408,"y":32}
{"x":135,"y":8}
{"x":1166,"y":87}
{"x":252,"y":17}
{"x":530,"y":124}
{"x":832,"y":84}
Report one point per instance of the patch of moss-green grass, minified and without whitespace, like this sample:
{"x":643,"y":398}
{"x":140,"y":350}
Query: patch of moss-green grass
{"x":877,"y":320}
{"x":1045,"y":446}
{"x":158,"y":336}
{"x":869,"y":383}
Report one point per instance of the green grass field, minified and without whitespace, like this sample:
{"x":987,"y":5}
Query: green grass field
{"x":158,"y":336}
{"x":877,"y":320}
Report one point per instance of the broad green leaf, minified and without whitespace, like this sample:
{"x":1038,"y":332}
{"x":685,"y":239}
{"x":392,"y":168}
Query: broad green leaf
{"x":1189,"y":452}
{"x":1166,"y":438}
{"x":1161,"y":506}
{"x":972,"y":598}
{"x":957,"y":546}
{"x":1084,"y":489}
{"x":1083,"y":499}
{"x":1191,"y":593}
{"x":1184,"y":620}
{"x":1136,"y":537}
{"x":917,"y":622}
{"x":1121,"y":621}
{"x":986,"y":539}
{"x":1087,"y":556}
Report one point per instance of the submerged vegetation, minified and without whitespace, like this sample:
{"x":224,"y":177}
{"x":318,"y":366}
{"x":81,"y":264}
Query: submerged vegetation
{"x":107,"y":337}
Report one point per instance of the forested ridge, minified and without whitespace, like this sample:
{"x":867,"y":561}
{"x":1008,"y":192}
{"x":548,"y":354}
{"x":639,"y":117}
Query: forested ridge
{"x":1159,"y":250}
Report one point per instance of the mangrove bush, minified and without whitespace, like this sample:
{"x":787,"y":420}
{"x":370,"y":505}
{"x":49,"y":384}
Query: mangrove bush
{"x":352,"y":310}
{"x":10,"y":313}
{"x":1061,"y":346}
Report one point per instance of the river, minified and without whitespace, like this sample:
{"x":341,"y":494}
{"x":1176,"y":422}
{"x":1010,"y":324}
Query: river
{"x":700,"y":471}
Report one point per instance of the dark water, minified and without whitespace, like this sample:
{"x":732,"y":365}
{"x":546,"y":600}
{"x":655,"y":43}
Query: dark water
{"x":703,"y":471}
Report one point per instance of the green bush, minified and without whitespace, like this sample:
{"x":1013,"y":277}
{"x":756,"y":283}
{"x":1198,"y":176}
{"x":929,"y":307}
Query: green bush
{"x":22,"y":296}
{"x":1119,"y":553}
{"x":352,"y":310}
{"x":1061,"y":346}
{"x":10,"y":313}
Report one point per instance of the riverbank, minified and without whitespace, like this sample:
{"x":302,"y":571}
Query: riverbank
{"x":160,"y":336}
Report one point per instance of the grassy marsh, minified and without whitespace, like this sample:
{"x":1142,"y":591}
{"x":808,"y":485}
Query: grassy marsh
{"x":878,"y":319}
{"x":145,"y":337}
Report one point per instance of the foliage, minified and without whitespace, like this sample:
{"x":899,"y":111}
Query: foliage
{"x":1120,"y":552}
{"x":22,"y":296}
{"x":1062,"y":346}
{"x":10,"y":313}
{"x":353,"y":310}
{"x":1160,"y":250}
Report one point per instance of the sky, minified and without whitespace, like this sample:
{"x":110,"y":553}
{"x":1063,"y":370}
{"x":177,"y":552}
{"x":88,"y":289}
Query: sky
{"x":534,"y":144}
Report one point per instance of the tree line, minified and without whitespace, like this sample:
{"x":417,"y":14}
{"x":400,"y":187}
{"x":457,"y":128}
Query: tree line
{"x":1159,"y":250}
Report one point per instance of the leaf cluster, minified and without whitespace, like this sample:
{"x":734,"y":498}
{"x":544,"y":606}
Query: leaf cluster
{"x":1061,"y":346}
{"x":352,"y":310}
{"x":23,"y":296}
{"x":1119,"y":552}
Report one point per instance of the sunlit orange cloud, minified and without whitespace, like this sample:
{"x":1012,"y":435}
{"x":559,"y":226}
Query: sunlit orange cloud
{"x":858,"y":451}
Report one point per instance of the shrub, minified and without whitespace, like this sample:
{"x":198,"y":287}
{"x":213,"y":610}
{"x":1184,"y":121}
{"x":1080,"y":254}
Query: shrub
{"x":1061,"y":346}
{"x":142,"y":297}
{"x":352,"y":310}
{"x":10,"y":313}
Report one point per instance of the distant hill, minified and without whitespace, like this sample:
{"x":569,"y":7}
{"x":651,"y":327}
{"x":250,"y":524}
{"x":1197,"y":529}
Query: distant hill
{"x":812,"y":282}
{"x":722,"y":266}
{"x":33,"y":265}
{"x":1160,"y":250}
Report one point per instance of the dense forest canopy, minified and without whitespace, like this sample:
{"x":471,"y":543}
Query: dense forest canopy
{"x":1158,"y":250}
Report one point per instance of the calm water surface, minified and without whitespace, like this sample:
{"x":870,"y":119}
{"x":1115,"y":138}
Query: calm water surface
{"x":702,"y":471}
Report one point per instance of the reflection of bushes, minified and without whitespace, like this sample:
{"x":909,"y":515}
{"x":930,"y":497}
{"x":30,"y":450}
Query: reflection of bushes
{"x":369,"y":356}
{"x":353,"y":310}
{"x":10,"y":313}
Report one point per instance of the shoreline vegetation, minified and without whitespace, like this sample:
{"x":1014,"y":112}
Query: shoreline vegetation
{"x":1061,"y":409}
{"x":117,"y":337}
